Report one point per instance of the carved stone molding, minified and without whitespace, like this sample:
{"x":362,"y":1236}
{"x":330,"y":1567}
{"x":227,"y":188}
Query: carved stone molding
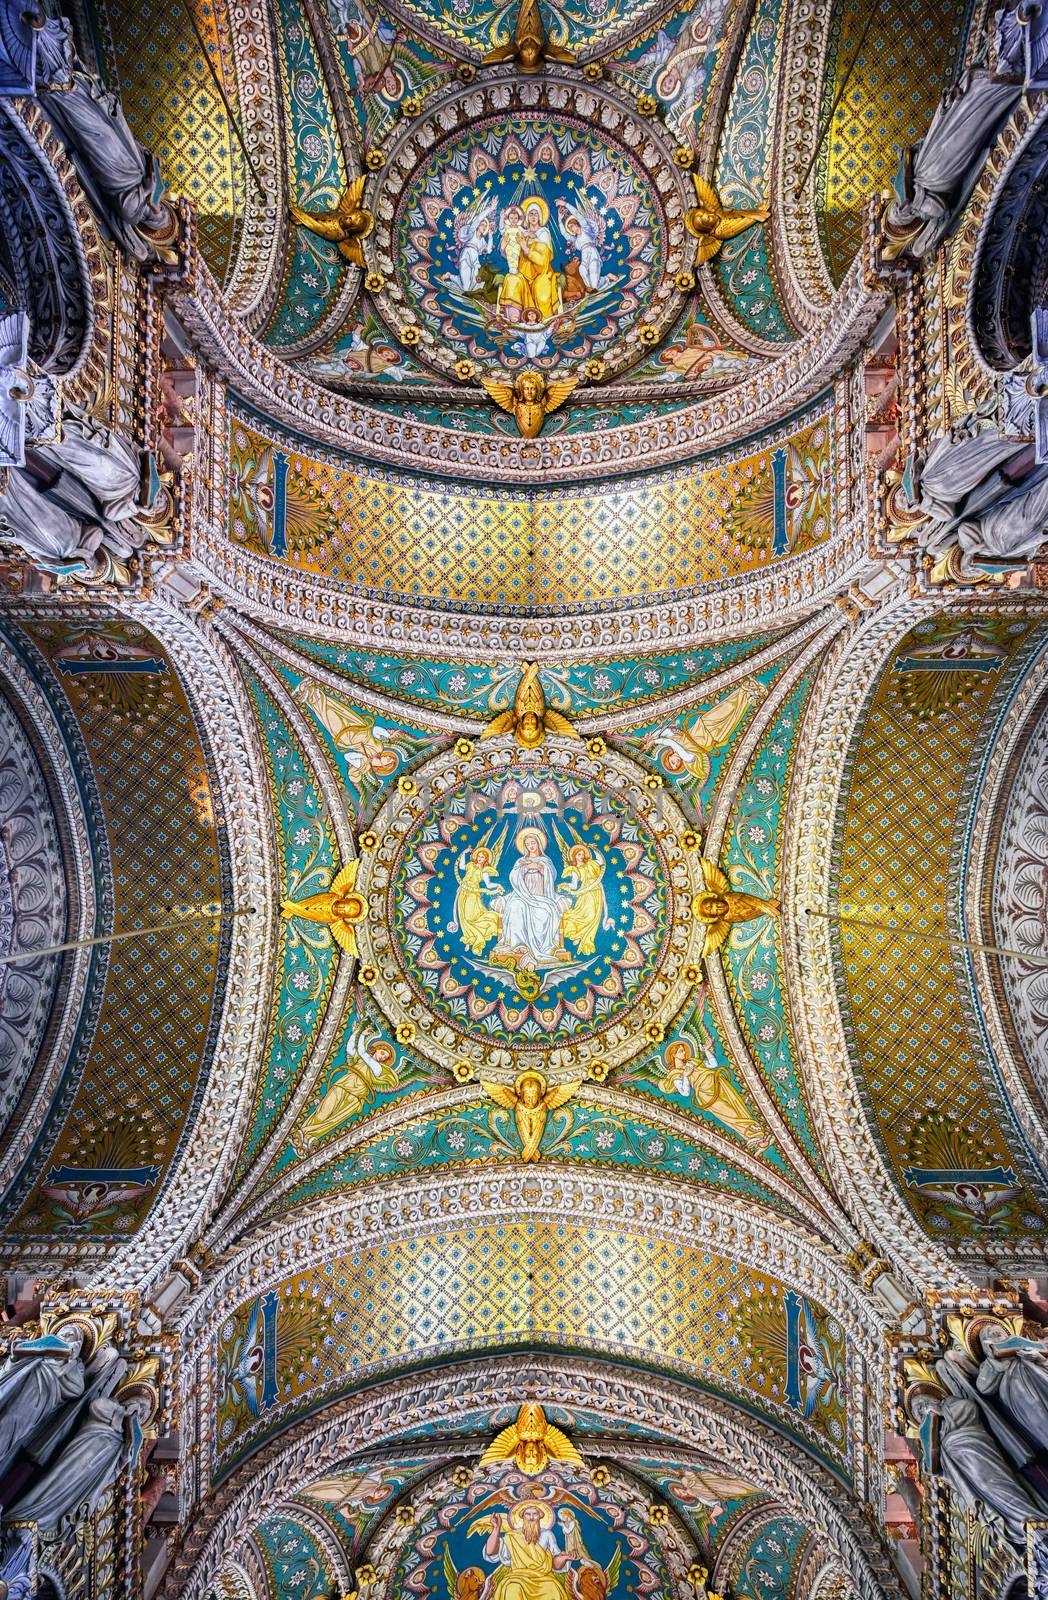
{"x":757,"y":403}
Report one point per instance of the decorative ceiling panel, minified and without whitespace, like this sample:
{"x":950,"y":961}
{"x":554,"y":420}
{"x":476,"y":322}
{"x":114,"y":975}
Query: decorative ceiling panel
{"x":956,"y":1150}
{"x":478,"y":546}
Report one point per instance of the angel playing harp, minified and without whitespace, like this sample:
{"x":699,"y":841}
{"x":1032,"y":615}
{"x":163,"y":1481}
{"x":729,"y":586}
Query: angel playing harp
{"x":531,"y":1103}
{"x":712,"y":223}
{"x":529,"y":399}
{"x":530,"y":718}
{"x":721,"y":907}
{"x":347,"y":226}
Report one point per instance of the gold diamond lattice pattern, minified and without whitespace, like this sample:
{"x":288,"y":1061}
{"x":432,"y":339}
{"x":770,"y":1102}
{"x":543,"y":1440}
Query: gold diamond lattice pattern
{"x":174,"y":107}
{"x":891,"y":64}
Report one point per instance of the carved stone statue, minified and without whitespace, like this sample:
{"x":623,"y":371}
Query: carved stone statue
{"x":34,"y":1383}
{"x":947,"y":163}
{"x":76,"y":502}
{"x":120,"y":177}
{"x":28,"y":403}
{"x":974,"y":1466}
{"x":71,"y":1488}
{"x":983,"y":493}
{"x":1014,"y":1373}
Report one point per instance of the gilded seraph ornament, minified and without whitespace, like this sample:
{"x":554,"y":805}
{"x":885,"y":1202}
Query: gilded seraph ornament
{"x":529,"y":399}
{"x":339,"y":908}
{"x":347,"y":226}
{"x":531,"y":1103}
{"x":530,"y":718}
{"x":712,"y":223}
{"x":721,"y":907}
{"x":530,"y":46}
{"x":531,"y":1443}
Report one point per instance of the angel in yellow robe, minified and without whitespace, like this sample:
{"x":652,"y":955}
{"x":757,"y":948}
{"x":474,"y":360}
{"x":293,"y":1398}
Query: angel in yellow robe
{"x":370,"y":1065}
{"x":585,"y":881}
{"x":712,"y":1090}
{"x":688,"y":748}
{"x":720,"y":907}
{"x":531,"y":1103}
{"x":476,"y":921}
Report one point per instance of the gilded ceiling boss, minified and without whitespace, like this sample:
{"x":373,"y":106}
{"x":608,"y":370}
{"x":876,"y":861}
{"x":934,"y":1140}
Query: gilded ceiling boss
{"x":523,"y":800}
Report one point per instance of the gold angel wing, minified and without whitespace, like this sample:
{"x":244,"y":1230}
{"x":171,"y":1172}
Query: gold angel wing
{"x":350,"y":200}
{"x":716,"y":933}
{"x":708,"y":248}
{"x":559,"y":1095}
{"x":502,"y":1095}
{"x":557,"y":393}
{"x":501,"y":393}
{"x":502,"y":1446}
{"x":344,"y":937}
{"x":557,"y":1443}
{"x":706,"y":195}
{"x":505,"y":52}
{"x":505,"y":722}
{"x":558,"y":724}
{"x":716,"y":882}
{"x":346,"y":878}
{"x":482,"y":1525}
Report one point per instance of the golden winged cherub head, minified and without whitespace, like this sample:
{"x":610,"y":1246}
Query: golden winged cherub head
{"x":530,"y":1087}
{"x":531,"y":1442}
{"x":529,"y":399}
{"x":530,"y":718}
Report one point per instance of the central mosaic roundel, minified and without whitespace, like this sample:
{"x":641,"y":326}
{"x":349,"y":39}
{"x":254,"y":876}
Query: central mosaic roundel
{"x":531,"y":905}
{"x":528,"y":910}
{"x":525,"y":240}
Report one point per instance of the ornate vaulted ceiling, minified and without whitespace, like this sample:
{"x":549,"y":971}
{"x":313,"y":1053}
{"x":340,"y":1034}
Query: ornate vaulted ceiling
{"x":522,"y":803}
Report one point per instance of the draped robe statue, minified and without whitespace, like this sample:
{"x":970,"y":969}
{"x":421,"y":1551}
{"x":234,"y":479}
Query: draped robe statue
{"x":984,"y":493}
{"x":75,"y":499}
{"x":975,"y":1467}
{"x":948,"y":162}
{"x":1014,"y":1374}
{"x":80,"y":1475}
{"x":120,"y":177}
{"x":33,"y":1387}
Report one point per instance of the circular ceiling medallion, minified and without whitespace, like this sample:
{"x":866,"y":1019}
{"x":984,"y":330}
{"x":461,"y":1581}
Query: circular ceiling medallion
{"x":530,"y":908}
{"x":533,"y":225}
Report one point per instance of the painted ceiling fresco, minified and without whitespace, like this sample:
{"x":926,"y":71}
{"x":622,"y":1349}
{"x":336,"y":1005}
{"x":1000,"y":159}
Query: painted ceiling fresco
{"x":477,"y":546}
{"x":935,"y":1090}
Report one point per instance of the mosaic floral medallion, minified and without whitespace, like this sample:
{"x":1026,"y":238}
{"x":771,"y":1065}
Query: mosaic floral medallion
{"x":529,"y":908}
{"x":545,"y":228}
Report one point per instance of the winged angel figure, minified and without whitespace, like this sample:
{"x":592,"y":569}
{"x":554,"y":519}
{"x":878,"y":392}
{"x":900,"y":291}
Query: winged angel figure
{"x":720,"y":907}
{"x":712,"y":223}
{"x":531,"y":1103}
{"x":529,"y":399}
{"x":347,"y":226}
